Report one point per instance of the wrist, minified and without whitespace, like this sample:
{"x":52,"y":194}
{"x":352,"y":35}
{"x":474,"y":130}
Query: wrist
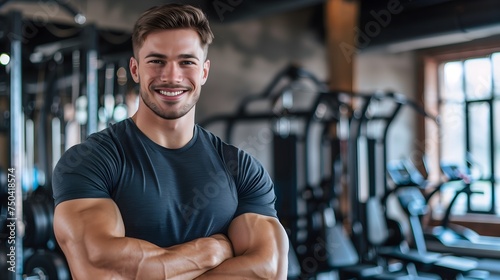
{"x":225,"y":247}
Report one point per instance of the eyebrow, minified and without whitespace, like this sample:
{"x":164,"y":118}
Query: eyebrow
{"x":188,"y":56}
{"x":159,"y":55}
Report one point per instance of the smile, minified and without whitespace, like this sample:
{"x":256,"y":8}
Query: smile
{"x":170,"y":93}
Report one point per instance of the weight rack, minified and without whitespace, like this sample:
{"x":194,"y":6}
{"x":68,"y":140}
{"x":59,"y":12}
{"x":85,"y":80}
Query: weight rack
{"x":95,"y":52}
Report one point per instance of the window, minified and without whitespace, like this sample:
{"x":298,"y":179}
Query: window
{"x":464,"y":89}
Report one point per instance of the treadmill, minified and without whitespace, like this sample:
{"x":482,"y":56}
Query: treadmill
{"x":456,"y":239}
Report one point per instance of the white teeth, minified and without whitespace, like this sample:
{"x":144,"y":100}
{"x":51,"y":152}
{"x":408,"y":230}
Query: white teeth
{"x":171,"y":93}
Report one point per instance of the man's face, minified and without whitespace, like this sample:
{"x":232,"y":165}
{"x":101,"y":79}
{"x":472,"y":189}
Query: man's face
{"x":170,"y":68}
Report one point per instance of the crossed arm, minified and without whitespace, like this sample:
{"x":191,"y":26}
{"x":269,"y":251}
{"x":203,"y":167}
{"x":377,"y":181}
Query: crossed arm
{"x":260,"y":245}
{"x":92,"y":236}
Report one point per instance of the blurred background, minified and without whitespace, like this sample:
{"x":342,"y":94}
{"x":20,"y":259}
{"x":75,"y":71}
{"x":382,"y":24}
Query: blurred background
{"x":334,"y":97}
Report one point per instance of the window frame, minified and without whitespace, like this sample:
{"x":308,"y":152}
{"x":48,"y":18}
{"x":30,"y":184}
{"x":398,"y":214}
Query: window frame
{"x":429,"y":61}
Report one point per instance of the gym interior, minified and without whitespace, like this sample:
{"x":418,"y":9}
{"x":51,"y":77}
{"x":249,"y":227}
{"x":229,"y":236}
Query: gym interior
{"x":376,"y":119}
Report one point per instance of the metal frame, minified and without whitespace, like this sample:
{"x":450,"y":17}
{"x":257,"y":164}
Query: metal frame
{"x":490,"y":139}
{"x":16,"y":130}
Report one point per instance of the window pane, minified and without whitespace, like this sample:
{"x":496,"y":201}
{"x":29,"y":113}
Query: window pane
{"x":452,"y":81}
{"x":496,"y":128}
{"x":478,"y":78}
{"x":449,"y":190}
{"x":497,"y":197}
{"x":463,"y":81}
{"x":453,"y":133}
{"x":481,"y":201}
{"x":497,"y":140}
{"x":496,"y":72}
{"x":479,"y":138}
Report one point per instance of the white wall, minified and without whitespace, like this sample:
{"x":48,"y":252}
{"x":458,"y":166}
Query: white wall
{"x":383,"y":71}
{"x":245,"y":57}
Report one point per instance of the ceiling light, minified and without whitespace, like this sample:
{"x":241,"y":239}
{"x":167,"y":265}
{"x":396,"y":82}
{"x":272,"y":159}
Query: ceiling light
{"x":4,"y":59}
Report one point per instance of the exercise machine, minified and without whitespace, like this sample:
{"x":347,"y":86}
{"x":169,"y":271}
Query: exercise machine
{"x":414,"y":204}
{"x":447,"y":237}
{"x":458,"y":239}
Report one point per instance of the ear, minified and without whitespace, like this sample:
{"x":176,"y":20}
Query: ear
{"x":134,"y":69}
{"x":206,"y":69}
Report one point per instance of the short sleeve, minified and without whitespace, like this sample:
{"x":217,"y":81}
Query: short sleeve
{"x":85,"y":171}
{"x":255,"y":187}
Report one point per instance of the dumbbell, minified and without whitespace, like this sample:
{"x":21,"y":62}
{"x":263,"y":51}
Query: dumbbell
{"x":46,"y":265}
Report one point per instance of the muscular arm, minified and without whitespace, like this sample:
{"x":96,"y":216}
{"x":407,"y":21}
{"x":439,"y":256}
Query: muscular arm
{"x":92,"y":236}
{"x":261,"y":250}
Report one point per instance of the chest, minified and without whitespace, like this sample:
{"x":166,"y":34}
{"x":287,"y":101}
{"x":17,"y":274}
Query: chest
{"x":183,"y":196}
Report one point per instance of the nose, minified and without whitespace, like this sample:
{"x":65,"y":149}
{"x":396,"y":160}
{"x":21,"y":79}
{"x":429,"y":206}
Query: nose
{"x":171,"y":73}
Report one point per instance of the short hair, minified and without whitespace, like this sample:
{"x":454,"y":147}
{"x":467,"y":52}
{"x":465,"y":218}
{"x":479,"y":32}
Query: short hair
{"x":171,"y":16}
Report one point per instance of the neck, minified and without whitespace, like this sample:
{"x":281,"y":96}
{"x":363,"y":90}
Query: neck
{"x":172,"y":134}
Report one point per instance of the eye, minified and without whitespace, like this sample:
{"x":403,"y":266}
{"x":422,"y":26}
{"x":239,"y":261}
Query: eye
{"x":155,"y":61}
{"x":188,"y":62}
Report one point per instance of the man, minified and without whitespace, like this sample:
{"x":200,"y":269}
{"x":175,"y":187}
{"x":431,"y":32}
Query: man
{"x":154,"y":196}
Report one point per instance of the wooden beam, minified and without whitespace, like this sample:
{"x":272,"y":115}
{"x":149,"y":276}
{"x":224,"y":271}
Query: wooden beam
{"x":341,"y":20}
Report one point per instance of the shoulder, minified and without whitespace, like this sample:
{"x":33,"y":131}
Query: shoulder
{"x":205,"y":135}
{"x":114,"y":133}
{"x":209,"y":139}
{"x":223,"y":148}
{"x":99,"y":145}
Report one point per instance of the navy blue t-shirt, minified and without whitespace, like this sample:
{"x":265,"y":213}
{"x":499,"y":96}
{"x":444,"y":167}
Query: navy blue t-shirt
{"x":165,"y":196}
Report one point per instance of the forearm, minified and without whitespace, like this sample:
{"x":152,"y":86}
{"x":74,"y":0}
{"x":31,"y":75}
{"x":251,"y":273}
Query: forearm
{"x":243,"y":267}
{"x":143,"y":260}
{"x":262,"y":254}
{"x":128,"y":258}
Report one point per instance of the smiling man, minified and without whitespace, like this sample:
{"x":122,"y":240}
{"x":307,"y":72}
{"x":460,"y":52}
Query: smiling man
{"x":156,"y":196}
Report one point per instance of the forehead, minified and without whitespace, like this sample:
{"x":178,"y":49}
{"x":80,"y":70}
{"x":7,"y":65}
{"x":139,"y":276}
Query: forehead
{"x":172,"y":42}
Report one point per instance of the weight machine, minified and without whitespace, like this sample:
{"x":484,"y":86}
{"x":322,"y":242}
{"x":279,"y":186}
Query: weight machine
{"x":307,"y":209}
{"x":373,"y":233}
{"x":369,"y":130}
{"x":278,"y":98}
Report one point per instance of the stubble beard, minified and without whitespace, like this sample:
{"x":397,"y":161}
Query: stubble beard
{"x":164,"y":114}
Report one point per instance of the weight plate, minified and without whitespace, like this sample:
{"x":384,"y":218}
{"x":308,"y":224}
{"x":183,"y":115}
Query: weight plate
{"x":47,"y":264}
{"x":38,"y":228}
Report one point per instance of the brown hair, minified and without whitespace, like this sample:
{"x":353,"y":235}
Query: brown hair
{"x":171,"y":16}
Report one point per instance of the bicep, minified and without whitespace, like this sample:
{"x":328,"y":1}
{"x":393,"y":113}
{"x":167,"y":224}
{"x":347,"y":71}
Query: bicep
{"x":81,"y":226}
{"x":87,"y":216}
{"x":258,"y":234}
